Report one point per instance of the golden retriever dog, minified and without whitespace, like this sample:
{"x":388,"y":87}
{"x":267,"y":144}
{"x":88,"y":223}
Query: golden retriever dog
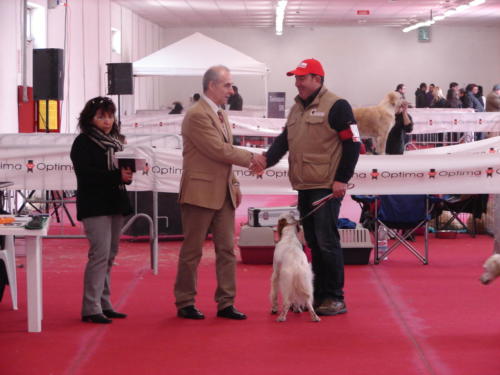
{"x":292,"y":274}
{"x":491,"y":269}
{"x":376,"y":121}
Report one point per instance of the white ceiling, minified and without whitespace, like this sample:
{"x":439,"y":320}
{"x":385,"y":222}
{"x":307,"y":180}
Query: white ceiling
{"x":308,"y":13}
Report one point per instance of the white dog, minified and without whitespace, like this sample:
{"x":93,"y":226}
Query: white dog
{"x":491,"y":269}
{"x":376,"y":121}
{"x":292,"y":274}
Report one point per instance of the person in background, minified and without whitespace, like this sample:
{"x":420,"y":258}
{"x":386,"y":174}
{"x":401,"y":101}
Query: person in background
{"x":177,"y":108}
{"x":196,"y":97}
{"x":430,"y":95}
{"x":471,"y":91}
{"x":101,"y":202}
{"x":438,"y":100}
{"x":464,"y":99}
{"x":493,"y":99}
{"x":322,"y":141}
{"x":401,"y":88}
{"x":479,"y":95}
{"x":209,"y":195}
{"x":453,"y":99}
{"x":235,"y":101}
{"x":403,"y":125}
{"x":420,"y":96}
{"x":454,"y":86}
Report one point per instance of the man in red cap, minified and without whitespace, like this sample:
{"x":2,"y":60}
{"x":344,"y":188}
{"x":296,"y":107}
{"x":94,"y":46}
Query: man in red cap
{"x":322,"y":139}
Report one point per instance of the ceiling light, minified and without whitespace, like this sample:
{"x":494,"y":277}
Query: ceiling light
{"x":280,"y":16}
{"x":446,"y":14}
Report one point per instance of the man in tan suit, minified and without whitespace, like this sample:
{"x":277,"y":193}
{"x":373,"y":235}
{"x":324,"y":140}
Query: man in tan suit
{"x":209,"y":195}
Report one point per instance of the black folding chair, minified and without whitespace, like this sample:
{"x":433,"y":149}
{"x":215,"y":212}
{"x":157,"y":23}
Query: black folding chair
{"x":474,"y":204}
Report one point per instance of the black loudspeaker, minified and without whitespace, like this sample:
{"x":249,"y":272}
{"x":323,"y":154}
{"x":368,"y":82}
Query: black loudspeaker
{"x":120,"y":80}
{"x":169,"y":213}
{"x":48,"y":74}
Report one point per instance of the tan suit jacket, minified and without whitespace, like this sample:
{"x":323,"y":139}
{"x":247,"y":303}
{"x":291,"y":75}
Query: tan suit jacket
{"x":208,"y":156}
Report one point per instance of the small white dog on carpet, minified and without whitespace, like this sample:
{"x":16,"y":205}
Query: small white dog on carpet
{"x":491,"y":269}
{"x":292,"y":273}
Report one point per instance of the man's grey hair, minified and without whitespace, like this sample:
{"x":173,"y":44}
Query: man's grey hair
{"x":212,"y":75}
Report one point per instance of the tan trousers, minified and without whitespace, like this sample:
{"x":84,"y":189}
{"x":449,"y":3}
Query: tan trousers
{"x":196,"y":222}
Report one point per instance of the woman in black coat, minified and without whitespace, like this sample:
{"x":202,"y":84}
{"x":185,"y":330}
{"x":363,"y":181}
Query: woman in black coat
{"x":403,"y":125}
{"x":101,"y":202}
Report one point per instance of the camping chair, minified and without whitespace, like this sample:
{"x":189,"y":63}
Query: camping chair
{"x":407,"y":213}
{"x":475,"y":205}
{"x":399,"y":212}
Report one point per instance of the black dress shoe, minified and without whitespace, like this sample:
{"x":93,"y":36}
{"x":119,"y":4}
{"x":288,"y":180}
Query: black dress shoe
{"x":190,"y":312}
{"x":96,"y":318}
{"x":230,"y":312}
{"x":112,"y":314}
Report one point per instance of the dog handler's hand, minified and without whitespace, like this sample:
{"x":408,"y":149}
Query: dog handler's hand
{"x":339,"y":189}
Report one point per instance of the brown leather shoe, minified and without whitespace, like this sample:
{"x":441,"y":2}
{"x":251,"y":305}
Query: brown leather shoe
{"x":331,"y":307}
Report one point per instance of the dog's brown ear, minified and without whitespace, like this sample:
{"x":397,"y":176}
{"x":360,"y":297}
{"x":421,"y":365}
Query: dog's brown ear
{"x":281,"y":224}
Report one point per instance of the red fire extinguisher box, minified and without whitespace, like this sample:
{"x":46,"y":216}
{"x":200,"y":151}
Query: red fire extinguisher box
{"x":26,"y":111}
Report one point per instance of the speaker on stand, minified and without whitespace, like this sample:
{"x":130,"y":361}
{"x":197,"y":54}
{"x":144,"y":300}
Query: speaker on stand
{"x":48,"y":77}
{"x":120,"y":82}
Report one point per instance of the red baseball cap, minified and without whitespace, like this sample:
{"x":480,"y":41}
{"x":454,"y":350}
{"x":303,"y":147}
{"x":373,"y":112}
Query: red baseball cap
{"x":308,"y":66}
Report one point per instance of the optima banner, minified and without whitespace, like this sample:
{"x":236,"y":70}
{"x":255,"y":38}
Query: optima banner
{"x":461,"y":169}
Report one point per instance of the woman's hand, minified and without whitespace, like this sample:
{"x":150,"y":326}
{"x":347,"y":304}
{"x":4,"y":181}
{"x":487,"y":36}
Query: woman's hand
{"x":126,"y":175}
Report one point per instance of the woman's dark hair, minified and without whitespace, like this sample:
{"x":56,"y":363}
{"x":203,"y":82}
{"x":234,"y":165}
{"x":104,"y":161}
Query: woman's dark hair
{"x":399,"y":86}
{"x":100,"y":103}
{"x":451,"y":95}
{"x":470,"y":86}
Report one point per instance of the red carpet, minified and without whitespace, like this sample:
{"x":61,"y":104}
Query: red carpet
{"x":404,"y":318}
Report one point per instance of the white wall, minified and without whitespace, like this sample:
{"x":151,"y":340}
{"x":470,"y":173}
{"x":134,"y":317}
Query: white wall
{"x":89,"y":49}
{"x":361,"y":63}
{"x":10,"y":64}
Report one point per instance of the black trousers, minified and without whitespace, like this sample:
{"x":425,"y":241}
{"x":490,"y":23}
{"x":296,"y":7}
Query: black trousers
{"x":322,"y":236}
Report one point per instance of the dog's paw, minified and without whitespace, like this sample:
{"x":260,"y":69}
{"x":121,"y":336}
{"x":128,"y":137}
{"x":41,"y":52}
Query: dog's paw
{"x":281,"y":319}
{"x":274,"y":312}
{"x":316,"y":319}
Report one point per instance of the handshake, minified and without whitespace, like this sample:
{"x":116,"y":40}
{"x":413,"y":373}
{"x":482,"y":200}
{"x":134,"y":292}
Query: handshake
{"x":257,"y":164}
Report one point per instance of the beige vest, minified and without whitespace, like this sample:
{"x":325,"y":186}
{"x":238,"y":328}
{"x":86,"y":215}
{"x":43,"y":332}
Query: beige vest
{"x":314,"y":147}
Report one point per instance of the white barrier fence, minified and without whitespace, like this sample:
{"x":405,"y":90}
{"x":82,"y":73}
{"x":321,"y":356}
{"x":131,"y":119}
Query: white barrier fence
{"x":41,"y":161}
{"x":425,"y":121}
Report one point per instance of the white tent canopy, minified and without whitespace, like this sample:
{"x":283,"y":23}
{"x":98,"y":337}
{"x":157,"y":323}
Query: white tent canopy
{"x":193,"y":55}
